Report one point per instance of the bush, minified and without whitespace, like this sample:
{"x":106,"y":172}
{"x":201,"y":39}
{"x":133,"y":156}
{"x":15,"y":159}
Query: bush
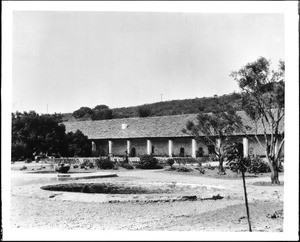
{"x":23,"y":168}
{"x":201,"y":170}
{"x":127,"y":166}
{"x":28,"y":160}
{"x":104,"y":163}
{"x":86,"y":189}
{"x":75,"y":166}
{"x":170,"y":162}
{"x":62,"y":168}
{"x":148,"y":162}
{"x":257,"y":165}
{"x":184,"y":169}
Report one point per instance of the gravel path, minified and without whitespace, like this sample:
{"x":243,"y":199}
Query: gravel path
{"x":33,"y":207}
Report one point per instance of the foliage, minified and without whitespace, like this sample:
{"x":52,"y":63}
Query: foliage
{"x":185,"y":160}
{"x":23,"y":168}
{"x":263,"y":100}
{"x":101,"y":112}
{"x":104,"y":163}
{"x":257,"y":165}
{"x":184,"y":169}
{"x":62,"y":168}
{"x":28,"y":160}
{"x":77,"y":145}
{"x":83,"y":112}
{"x":170,"y":162}
{"x":127,"y":166}
{"x":174,"y":107}
{"x":144,"y":111}
{"x":33,"y":134}
{"x":215,"y":128}
{"x":148,"y":162}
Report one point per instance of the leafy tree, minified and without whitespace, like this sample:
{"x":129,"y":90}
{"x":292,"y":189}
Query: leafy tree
{"x":78,"y":144}
{"x":144,"y":111}
{"x":101,"y":112}
{"x":83,"y":112}
{"x":263,"y":101}
{"x":215,"y":129}
{"x":33,"y":134}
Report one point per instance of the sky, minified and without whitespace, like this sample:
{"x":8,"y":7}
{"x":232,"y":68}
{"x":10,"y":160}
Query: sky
{"x":66,"y":60}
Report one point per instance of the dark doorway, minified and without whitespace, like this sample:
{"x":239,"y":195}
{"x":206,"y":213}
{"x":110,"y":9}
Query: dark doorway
{"x":200,"y":152}
{"x":181,"y":154}
{"x":152,"y":149}
{"x":211,"y":149}
{"x":132,"y":152}
{"x":241,"y":149}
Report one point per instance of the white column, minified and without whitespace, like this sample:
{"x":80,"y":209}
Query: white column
{"x":128,"y":147}
{"x":149,"y":147}
{"x":93,"y":146}
{"x":109,"y":147}
{"x":170,"y":147}
{"x":194,"y":148}
{"x":218,"y":143}
{"x":246,"y":147}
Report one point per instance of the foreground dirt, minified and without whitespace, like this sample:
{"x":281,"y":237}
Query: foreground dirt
{"x":32,"y":207}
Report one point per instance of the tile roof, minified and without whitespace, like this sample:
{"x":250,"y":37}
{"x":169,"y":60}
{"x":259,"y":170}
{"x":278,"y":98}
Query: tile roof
{"x":151,"y":127}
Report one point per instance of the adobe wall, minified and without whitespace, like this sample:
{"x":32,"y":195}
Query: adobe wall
{"x":161,"y":146}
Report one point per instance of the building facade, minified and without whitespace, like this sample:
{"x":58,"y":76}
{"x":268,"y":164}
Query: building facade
{"x":160,"y":136}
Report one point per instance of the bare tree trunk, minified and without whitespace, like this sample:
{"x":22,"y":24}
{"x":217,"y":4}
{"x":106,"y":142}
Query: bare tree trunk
{"x":246,"y":201}
{"x":275,"y":175}
{"x":274,"y":171}
{"x":221,"y":167}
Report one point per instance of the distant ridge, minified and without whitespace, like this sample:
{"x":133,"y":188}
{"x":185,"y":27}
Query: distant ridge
{"x":174,"y":107}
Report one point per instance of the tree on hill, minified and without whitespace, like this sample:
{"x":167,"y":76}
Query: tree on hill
{"x":144,"y":111}
{"x":83,"y":112}
{"x":263,"y":101}
{"x":101,"y":112}
{"x":215,"y":128}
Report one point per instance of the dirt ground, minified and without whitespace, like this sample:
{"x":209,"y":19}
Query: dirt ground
{"x":32,"y":207}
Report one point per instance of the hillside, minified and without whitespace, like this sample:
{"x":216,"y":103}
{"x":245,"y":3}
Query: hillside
{"x":173,"y":107}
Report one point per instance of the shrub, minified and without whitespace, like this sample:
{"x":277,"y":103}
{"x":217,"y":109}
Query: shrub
{"x":91,"y":165}
{"x":257,"y":165}
{"x":127,"y":166}
{"x":75,"y":166}
{"x":148,"y":162}
{"x":184,"y":169}
{"x":170,"y":162}
{"x":62,"y":168}
{"x":28,"y":160}
{"x":86,"y":189}
{"x":104,"y":163}
{"x":23,"y":168}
